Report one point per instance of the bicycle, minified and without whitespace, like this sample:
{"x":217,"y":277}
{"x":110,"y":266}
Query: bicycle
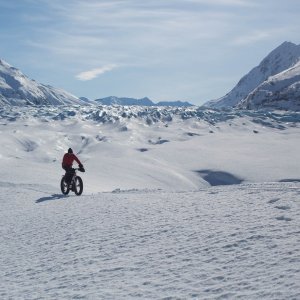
{"x":76,"y":184}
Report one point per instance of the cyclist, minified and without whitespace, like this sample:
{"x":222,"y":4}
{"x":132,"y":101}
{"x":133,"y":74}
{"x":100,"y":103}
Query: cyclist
{"x":67,"y":164}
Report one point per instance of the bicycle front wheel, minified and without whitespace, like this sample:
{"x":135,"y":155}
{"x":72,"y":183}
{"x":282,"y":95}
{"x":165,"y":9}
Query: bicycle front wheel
{"x":78,"y":185}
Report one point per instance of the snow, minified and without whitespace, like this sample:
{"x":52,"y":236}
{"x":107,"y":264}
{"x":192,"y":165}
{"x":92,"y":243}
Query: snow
{"x":178,"y":203}
{"x":238,"y":242}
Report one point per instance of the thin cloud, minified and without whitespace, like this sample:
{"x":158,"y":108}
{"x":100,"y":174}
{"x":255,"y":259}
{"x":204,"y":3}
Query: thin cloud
{"x":91,"y":74}
{"x":244,"y":3}
{"x":151,"y":39}
{"x":253,"y":37}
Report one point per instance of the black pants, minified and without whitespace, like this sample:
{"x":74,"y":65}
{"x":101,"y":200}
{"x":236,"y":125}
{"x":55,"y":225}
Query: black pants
{"x":69,"y":174}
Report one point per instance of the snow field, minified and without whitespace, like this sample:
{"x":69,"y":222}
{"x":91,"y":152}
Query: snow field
{"x":236,"y":242}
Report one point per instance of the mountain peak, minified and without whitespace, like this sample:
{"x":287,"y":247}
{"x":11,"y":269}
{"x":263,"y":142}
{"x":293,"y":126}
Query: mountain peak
{"x":285,"y":49}
{"x":4,"y":64}
{"x":287,"y":44}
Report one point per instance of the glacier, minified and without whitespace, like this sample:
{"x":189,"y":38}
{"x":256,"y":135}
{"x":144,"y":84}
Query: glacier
{"x":178,"y":203}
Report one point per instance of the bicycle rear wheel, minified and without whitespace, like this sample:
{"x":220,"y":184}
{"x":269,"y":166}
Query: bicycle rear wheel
{"x":64,"y":186}
{"x":78,"y":185}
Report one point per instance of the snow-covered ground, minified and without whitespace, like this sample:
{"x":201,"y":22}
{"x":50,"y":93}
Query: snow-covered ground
{"x":236,"y":242}
{"x":155,"y":220}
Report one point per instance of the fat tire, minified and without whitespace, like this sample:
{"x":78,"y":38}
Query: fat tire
{"x":64,"y":186}
{"x":78,"y":185}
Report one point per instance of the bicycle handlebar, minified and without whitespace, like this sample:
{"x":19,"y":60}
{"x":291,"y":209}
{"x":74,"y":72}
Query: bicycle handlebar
{"x":79,"y":169}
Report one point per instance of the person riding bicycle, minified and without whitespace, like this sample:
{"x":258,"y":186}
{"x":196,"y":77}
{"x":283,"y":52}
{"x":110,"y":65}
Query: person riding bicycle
{"x":67,"y":164}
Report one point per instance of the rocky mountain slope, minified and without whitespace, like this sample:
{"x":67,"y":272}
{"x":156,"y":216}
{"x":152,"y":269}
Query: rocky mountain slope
{"x":18,"y":89}
{"x":282,"y":59}
{"x":281,"y":91}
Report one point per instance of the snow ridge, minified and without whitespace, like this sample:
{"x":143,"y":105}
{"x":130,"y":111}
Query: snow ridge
{"x":119,"y":114}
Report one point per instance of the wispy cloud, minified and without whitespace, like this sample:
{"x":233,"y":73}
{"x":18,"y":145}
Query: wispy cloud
{"x":91,"y":74}
{"x":256,"y":36}
{"x":154,"y":41}
{"x":245,"y":3}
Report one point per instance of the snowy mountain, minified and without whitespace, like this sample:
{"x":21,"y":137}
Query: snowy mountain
{"x":112,"y":100}
{"x":17,"y":89}
{"x":281,"y":91}
{"x":279,"y":60}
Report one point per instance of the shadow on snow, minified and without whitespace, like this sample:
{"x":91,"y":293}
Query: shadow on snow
{"x":50,"y":198}
{"x":290,"y":180}
{"x":215,"y":178}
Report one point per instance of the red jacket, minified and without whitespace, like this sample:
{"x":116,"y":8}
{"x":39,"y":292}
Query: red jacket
{"x":68,"y":160}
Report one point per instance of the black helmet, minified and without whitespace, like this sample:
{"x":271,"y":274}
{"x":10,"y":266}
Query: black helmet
{"x":70,"y":150}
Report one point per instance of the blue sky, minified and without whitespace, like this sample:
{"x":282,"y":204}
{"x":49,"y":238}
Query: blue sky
{"x":190,"y":50}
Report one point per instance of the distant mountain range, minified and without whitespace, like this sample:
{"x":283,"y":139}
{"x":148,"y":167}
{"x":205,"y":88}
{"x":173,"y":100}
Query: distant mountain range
{"x":18,"y":89}
{"x":273,"y":84}
{"x":142,"y":102}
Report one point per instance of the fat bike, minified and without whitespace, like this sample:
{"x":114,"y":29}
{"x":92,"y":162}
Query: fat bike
{"x":76,"y":184}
